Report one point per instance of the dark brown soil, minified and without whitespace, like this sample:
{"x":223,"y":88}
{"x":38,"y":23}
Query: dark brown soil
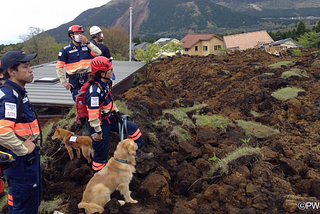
{"x":176,"y":179}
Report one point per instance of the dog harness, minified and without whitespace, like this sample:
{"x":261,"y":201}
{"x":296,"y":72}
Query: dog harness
{"x":72,"y":140}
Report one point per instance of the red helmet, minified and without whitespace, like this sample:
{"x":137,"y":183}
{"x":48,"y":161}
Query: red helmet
{"x":101,"y":63}
{"x":75,"y":28}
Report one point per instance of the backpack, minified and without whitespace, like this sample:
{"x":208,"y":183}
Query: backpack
{"x":82,"y":111}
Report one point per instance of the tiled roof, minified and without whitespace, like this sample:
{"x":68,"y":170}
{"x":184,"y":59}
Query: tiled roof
{"x":247,"y":40}
{"x":191,"y":39}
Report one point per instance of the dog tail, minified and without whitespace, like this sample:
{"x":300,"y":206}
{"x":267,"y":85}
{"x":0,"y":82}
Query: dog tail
{"x":91,"y":207}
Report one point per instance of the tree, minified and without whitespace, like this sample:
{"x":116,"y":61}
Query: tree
{"x":301,"y":29}
{"x":172,"y":47}
{"x":117,"y":40}
{"x":311,"y":39}
{"x":136,"y":40}
{"x":317,"y":28}
{"x":148,"y":55}
{"x":36,"y":41}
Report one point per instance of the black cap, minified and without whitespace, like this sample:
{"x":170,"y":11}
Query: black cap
{"x":9,"y":58}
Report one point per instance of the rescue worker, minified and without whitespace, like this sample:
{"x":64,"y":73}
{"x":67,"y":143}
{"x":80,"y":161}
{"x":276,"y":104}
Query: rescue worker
{"x":19,"y":133}
{"x":102,"y":70}
{"x":97,"y":39}
{"x":76,"y":57}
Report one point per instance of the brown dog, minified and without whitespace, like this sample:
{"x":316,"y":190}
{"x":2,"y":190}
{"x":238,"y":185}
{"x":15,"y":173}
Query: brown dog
{"x":83,"y":142}
{"x":115,"y":175}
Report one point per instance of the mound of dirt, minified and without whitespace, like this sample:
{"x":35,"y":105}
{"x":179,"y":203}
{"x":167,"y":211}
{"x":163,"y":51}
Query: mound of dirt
{"x":237,"y":87}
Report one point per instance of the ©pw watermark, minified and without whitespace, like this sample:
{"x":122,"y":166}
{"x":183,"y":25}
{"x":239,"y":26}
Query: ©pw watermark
{"x":308,"y":205}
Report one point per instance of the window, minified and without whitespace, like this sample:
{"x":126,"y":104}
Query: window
{"x":217,"y":47}
{"x":205,"y":48}
{"x":186,"y":49}
{"x":196,"y":48}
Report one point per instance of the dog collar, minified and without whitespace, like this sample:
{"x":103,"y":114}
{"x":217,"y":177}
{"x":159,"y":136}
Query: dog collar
{"x":122,"y":161}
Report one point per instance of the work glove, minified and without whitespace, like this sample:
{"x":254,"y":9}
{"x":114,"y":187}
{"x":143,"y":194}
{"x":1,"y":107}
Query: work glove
{"x":118,"y":116}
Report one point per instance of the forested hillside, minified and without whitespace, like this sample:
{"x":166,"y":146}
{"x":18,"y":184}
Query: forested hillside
{"x":153,"y":18}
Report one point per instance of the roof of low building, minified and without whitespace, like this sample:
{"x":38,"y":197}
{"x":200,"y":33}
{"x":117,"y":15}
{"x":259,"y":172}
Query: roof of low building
{"x":46,"y":89}
{"x":279,"y":42}
{"x":191,"y":39}
{"x":247,"y":40}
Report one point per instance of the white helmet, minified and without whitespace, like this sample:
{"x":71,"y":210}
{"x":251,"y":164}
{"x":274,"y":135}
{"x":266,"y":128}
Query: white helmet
{"x":94,"y":30}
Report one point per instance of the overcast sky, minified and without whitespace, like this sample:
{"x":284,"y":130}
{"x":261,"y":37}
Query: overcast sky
{"x":17,"y":16}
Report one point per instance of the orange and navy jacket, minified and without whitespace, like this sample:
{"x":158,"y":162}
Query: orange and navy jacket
{"x":76,"y":59}
{"x":14,"y":130}
{"x":94,"y":98}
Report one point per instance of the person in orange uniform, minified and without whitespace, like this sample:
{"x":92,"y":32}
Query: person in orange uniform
{"x":76,"y":57}
{"x":19,"y":134}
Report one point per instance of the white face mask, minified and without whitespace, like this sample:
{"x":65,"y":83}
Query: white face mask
{"x":77,"y":38}
{"x":102,"y":36}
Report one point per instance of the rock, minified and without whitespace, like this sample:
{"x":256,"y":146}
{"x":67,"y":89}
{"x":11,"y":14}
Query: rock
{"x":156,"y":185}
{"x":314,"y":190}
{"x":178,"y":209}
{"x":207,"y":137}
{"x":292,"y":167}
{"x":251,"y":189}
{"x":145,"y":166}
{"x":203,"y":165}
{"x":212,"y":193}
{"x":186,"y":150}
{"x":290,"y":205}
{"x":268,"y":154}
{"x":206,"y":209}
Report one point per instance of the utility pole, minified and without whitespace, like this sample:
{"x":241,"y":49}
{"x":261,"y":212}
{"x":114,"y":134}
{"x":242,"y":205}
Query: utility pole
{"x":130,"y":39}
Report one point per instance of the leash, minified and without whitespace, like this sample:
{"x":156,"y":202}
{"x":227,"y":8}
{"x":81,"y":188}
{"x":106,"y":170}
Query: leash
{"x":121,"y":128}
{"x":58,"y":149}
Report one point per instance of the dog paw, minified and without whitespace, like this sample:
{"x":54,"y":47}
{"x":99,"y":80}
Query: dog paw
{"x":132,"y":201}
{"x":121,"y":202}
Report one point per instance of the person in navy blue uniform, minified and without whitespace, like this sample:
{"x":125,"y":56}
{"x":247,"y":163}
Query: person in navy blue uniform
{"x":97,"y":39}
{"x":76,"y":57}
{"x":100,"y":104}
{"x":19,"y":134}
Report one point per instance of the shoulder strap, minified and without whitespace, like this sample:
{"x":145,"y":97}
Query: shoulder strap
{"x":20,"y":109}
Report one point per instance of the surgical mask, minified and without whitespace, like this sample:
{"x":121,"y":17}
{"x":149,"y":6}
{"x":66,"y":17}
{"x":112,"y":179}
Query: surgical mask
{"x":102,"y":36}
{"x":77,"y":38}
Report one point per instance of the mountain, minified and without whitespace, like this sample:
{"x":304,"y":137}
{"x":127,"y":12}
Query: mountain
{"x":167,"y":18}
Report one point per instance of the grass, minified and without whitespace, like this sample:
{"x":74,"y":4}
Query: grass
{"x":46,"y":130}
{"x":50,"y":206}
{"x":222,"y":164}
{"x":215,"y":121}
{"x":257,"y":130}
{"x":122,"y":106}
{"x":286,"y":93}
{"x":294,"y":72}
{"x":180,"y":133}
{"x":316,"y":63}
{"x":280,"y":64}
{"x":255,"y":114}
{"x":181,"y":116}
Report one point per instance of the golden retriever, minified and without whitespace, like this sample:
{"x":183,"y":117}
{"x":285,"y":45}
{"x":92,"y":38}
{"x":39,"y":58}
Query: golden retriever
{"x":115,"y":175}
{"x":83,"y":142}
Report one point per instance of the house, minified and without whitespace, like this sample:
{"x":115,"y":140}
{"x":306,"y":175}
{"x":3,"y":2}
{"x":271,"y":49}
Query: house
{"x":164,"y":42}
{"x":202,"y":44}
{"x":281,"y":46}
{"x":246,"y":41}
{"x":288,"y":43}
{"x":142,"y":45}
